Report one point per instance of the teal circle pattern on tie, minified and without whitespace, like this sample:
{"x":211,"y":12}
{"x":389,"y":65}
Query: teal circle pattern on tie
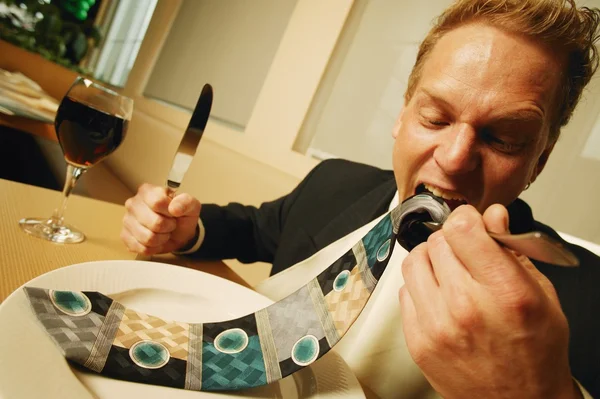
{"x":305,"y":350}
{"x":341,"y":280}
{"x":149,"y":354}
{"x":231,"y":341}
{"x":73,"y":303}
{"x":384,"y":251}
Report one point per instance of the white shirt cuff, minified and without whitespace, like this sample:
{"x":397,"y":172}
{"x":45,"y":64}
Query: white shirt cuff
{"x":198,"y":243}
{"x":585,"y":393}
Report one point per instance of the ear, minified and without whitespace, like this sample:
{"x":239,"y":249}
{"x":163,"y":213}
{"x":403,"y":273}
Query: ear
{"x":398,"y":124}
{"x":543,"y":159}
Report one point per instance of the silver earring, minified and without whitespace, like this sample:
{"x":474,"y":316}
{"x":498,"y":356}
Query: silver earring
{"x":527,"y":186}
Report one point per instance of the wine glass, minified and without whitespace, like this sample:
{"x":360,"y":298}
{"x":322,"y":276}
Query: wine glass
{"x":91,"y":122}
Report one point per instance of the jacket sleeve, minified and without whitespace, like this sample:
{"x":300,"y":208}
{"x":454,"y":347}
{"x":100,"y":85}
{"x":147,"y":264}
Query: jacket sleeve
{"x":247,"y":233}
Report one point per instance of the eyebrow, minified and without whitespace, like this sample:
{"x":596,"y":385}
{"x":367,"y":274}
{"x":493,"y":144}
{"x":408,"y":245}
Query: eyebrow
{"x":519,"y":115}
{"x":436,"y":99}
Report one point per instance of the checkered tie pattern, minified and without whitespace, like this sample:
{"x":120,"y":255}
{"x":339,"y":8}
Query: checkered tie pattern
{"x":102,"y":335}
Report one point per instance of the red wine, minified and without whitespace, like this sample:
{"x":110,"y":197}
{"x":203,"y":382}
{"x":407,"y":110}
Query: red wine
{"x":87,"y":135}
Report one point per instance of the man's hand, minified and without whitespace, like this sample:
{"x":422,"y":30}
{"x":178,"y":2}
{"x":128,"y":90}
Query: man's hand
{"x":154,"y":223}
{"x":481,"y":321}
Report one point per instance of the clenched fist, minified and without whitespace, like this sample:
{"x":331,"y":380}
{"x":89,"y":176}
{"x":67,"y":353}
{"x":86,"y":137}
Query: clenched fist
{"x":155,"y":223}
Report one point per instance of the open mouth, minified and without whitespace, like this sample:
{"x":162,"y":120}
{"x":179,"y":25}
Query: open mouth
{"x":453,"y":200}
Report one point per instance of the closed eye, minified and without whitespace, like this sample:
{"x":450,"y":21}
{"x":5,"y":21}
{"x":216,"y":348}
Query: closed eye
{"x":439,"y":123}
{"x":500,"y":144}
{"x":434,"y":123}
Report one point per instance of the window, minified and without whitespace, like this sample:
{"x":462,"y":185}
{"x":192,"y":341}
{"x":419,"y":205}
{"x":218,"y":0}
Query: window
{"x":124,"y":24}
{"x":363,"y":90}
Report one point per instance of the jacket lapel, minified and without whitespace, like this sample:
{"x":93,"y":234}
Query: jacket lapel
{"x":368,"y":207}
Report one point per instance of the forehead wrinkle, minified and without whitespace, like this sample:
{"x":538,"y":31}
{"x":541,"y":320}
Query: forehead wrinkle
{"x":450,"y":89}
{"x":443,"y":92}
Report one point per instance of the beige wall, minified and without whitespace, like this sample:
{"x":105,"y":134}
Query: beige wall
{"x":260,"y":159}
{"x":230,"y":44}
{"x":217,"y":174}
{"x":566,"y":194}
{"x":360,"y":99}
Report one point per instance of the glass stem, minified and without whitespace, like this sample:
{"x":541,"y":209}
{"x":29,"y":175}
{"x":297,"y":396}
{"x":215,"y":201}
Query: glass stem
{"x":73,"y":174}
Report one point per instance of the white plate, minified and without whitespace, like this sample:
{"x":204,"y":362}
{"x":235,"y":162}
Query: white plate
{"x":32,"y":367}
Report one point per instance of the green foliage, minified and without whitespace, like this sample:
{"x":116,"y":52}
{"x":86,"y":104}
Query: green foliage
{"x":61,"y":36}
{"x":77,"y":8}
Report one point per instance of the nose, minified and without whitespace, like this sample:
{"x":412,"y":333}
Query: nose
{"x":457,"y":151}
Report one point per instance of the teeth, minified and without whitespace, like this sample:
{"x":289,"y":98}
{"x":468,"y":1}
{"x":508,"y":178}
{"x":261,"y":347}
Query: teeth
{"x":444,"y":194}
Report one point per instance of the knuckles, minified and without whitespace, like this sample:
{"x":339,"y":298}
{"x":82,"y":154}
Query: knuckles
{"x":465,"y":313}
{"x":442,"y":335}
{"x":155,"y":202}
{"x":145,"y":187}
{"x":160,"y":224}
{"x":522,"y":306}
{"x":144,"y":250}
{"x":129,"y":203}
{"x":124,"y":236}
{"x":436,"y":239}
{"x":153,"y":196}
{"x":411,"y":261}
{"x":153,"y":240}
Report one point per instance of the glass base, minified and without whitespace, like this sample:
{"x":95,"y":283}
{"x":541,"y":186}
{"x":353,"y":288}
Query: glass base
{"x":48,"y":230}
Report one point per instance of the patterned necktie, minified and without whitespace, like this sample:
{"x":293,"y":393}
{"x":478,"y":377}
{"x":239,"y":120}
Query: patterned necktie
{"x":102,"y":335}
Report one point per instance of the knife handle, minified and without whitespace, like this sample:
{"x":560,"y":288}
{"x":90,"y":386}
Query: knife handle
{"x":171,"y":192}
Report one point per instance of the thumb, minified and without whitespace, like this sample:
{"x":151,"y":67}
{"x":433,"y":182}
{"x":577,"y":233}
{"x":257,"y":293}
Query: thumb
{"x":186,"y":209}
{"x":184,"y":205}
{"x":495,"y":219}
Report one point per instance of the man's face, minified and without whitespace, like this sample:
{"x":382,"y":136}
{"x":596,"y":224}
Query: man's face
{"x":476,"y":127}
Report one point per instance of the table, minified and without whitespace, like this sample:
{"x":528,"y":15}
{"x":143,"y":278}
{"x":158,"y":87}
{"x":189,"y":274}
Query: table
{"x":23,"y":257}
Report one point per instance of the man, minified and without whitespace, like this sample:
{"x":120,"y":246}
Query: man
{"x":493,"y":83}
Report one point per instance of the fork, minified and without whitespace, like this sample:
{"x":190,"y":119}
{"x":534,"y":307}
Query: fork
{"x":535,"y":245}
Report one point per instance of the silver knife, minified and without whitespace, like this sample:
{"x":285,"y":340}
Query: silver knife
{"x":189,"y":143}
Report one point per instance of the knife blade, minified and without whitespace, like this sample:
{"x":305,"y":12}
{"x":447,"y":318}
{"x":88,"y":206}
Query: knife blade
{"x":190,"y":140}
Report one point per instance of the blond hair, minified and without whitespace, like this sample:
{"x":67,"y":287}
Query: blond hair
{"x":559,"y":23}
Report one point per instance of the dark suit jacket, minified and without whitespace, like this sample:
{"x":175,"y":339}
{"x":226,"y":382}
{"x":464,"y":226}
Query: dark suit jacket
{"x":338,"y":196}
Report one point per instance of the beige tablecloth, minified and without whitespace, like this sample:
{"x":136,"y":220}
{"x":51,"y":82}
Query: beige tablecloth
{"x":23,"y":257}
